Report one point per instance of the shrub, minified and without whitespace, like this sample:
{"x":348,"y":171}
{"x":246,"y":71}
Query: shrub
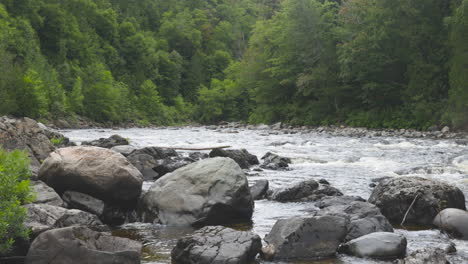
{"x":14,"y":191}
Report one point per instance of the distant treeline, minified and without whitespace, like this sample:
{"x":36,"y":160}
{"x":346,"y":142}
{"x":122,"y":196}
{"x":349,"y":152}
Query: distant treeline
{"x":373,"y":63}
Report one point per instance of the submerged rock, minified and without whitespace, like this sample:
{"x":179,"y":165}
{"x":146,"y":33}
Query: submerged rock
{"x":112,"y":141}
{"x":208,"y":192}
{"x":241,"y":156}
{"x":99,"y":172}
{"x":273,"y":161}
{"x":217,"y":245}
{"x":76,"y":245}
{"x":395,"y":196}
{"x":425,"y":256}
{"x":259,"y":189}
{"x":306,"y":238}
{"x":453,"y":221}
{"x":380,"y":245}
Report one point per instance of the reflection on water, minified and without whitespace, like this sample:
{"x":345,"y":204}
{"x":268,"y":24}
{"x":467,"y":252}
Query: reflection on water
{"x":347,"y":163}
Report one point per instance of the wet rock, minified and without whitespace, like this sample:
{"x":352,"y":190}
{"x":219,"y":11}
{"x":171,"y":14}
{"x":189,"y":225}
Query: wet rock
{"x":101,"y":173}
{"x":306,"y":238}
{"x":157,"y":153}
{"x":45,"y":194}
{"x":124,"y":149}
{"x":308,"y":190}
{"x":241,"y":156}
{"x":323,"y":181}
{"x":81,"y":201}
{"x":394,"y":197}
{"x":28,"y":135}
{"x":363,"y":217}
{"x":217,"y":245}
{"x":43,"y":217}
{"x":74,"y":245}
{"x":145,"y":163}
{"x":272,"y":161}
{"x":453,"y":221}
{"x":112,"y":141}
{"x":169,"y":165}
{"x":114,"y":215}
{"x":259,"y":189}
{"x":424,"y":256}
{"x":322,"y":191}
{"x":338,"y":200}
{"x":208,"y":192}
{"x":380,"y":245}
{"x":196,"y":156}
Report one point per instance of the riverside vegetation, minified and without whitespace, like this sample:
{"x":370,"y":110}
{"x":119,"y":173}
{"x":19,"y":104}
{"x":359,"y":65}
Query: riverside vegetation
{"x":373,"y":63}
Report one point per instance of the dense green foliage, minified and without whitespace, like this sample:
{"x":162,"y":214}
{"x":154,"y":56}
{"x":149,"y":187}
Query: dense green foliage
{"x":375,"y":63}
{"x":14,"y":191}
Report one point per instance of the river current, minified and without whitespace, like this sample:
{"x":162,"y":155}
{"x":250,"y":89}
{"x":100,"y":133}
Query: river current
{"x":348,"y":163}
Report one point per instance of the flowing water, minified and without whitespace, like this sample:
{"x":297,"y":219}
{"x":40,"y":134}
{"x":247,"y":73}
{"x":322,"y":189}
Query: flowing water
{"x":348,"y":163}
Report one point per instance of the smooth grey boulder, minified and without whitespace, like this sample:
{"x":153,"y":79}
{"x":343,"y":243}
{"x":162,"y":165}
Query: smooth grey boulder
{"x":77,"y":245}
{"x":99,"y":172}
{"x":45,"y":194}
{"x":208,"y":192}
{"x":379,"y":245}
{"x":81,"y":201}
{"x":273,"y":161}
{"x":295,"y":192}
{"x":241,"y":156}
{"x":425,"y":256}
{"x":453,"y":221}
{"x":363,"y":217}
{"x":124,"y":149}
{"x":43,"y":217}
{"x":112,"y":141}
{"x":259,"y":189}
{"x":217,"y":245}
{"x":394,"y":197}
{"x":306,"y":238}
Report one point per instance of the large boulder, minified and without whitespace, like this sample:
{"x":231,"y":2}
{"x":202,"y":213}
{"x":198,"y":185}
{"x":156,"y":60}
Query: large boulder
{"x":363,"y":217}
{"x":208,"y":192}
{"x":112,"y":141}
{"x":28,"y":135}
{"x":99,"y":172}
{"x":43,"y":217}
{"x":81,"y":201}
{"x":76,"y":245}
{"x":453,"y":221}
{"x":380,"y":245}
{"x":45,"y":194}
{"x":217,"y":245}
{"x":273,"y":161}
{"x":425,"y":256}
{"x":241,"y":156}
{"x":395,"y":196}
{"x":306,"y":238}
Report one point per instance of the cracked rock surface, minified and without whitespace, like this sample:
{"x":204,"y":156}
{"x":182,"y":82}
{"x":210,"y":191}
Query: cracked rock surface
{"x":394,"y":197}
{"x":217,"y":245}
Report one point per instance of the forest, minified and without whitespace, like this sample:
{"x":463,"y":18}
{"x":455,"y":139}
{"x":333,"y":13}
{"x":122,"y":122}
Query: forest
{"x":371,"y":63}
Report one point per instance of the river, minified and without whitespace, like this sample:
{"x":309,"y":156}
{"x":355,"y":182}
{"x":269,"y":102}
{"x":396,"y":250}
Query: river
{"x":348,"y":163}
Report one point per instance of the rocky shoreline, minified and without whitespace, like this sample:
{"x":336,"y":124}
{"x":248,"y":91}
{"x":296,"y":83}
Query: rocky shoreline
{"x":85,"y":191}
